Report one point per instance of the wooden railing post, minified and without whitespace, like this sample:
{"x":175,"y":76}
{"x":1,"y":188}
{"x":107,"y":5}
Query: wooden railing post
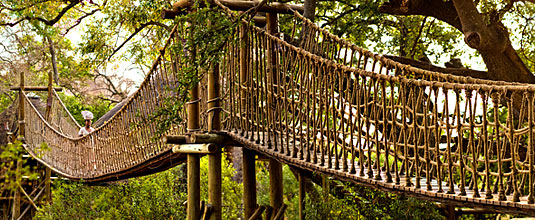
{"x":275,"y":167}
{"x":214,"y":160}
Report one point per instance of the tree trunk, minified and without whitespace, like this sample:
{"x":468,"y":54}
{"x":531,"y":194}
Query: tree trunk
{"x":53,"y":58}
{"x":310,"y":9}
{"x":488,"y":36}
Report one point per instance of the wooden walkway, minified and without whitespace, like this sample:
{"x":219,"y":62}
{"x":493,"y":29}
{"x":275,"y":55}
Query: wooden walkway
{"x":508,"y":206}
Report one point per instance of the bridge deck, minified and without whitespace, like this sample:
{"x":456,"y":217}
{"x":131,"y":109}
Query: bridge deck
{"x":248,"y":140}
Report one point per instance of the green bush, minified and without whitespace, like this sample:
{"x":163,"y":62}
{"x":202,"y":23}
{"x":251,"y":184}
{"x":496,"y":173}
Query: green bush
{"x":157,"y":196}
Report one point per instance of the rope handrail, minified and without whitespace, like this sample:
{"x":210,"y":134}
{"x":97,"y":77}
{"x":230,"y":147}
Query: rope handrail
{"x":344,"y":44}
{"x":120,"y":144}
{"x":433,"y":137}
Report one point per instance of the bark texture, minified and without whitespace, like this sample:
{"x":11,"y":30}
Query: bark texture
{"x":485,"y":33}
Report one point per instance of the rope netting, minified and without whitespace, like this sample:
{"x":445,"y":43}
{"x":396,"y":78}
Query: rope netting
{"x":60,"y":118}
{"x":445,"y":134}
{"x":123,"y":142}
{"x":321,"y":42}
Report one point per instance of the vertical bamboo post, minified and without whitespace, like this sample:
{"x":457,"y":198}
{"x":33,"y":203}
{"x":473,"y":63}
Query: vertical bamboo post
{"x":214,"y":160}
{"x":16,"y":194}
{"x":249,"y":182}
{"x":301,"y":197}
{"x":275,"y":167}
{"x":248,"y":156}
{"x":193,"y":160}
{"x":48,"y":171}
{"x":275,"y":184}
{"x":194,"y":180}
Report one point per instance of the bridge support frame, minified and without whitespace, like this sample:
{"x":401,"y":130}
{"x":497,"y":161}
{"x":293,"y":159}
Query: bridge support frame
{"x":302,"y":196}
{"x":194,"y":176}
{"x":249,"y":182}
{"x":275,"y":167}
{"x":214,"y":159}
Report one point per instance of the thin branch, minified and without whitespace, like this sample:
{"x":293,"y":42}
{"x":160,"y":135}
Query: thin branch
{"x":43,"y":20}
{"x":136,"y":31}
{"x":9,"y":96}
{"x":3,"y":6}
{"x":413,"y":49}
{"x":79,"y":20}
{"x":332,"y":21}
{"x":108,"y":99}
{"x":113,"y":89}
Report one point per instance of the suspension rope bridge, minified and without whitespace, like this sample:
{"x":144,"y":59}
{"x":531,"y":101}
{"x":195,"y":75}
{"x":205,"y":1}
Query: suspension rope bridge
{"x":327,"y":106}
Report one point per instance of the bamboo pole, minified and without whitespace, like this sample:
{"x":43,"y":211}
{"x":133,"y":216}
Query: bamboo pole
{"x":195,"y":149}
{"x":48,"y":171}
{"x":301,"y":196}
{"x":194,"y":178}
{"x":16,"y":194}
{"x":249,"y":182}
{"x":214,"y":159}
{"x":248,"y":156}
{"x":275,"y":167}
{"x":276,"y":185}
{"x":194,"y":181}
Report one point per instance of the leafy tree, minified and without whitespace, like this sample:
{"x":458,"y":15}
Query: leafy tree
{"x":414,"y":28}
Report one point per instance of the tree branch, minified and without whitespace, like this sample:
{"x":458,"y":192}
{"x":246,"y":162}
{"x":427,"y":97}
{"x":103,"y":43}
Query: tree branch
{"x":136,"y":31}
{"x":413,"y":49}
{"x":332,"y":21}
{"x":442,"y":10}
{"x":43,"y":20}
{"x":79,"y":20}
{"x":453,"y":71}
{"x":3,"y":6}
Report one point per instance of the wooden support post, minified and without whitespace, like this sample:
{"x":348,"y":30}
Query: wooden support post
{"x":194,"y":182}
{"x":48,"y":171}
{"x":275,"y":167}
{"x":249,"y":182}
{"x":301,"y":196}
{"x":214,"y":159}
{"x":194,"y":176}
{"x":17,"y":194}
{"x":276,"y":185}
{"x":48,"y":190}
{"x":326,"y":188}
{"x":450,"y":210}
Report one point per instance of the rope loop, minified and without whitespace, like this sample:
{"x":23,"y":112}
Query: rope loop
{"x":193,"y":102}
